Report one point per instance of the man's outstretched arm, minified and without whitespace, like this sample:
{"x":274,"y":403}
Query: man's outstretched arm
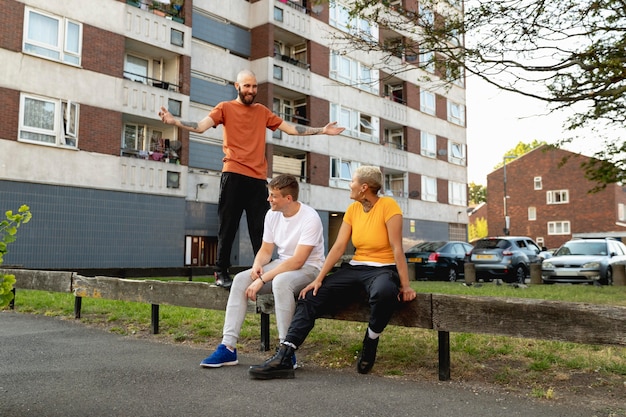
{"x":299,"y":130}
{"x":198,"y":127}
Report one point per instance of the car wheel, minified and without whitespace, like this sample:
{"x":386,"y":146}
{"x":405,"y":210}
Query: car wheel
{"x":518,"y":275}
{"x":452,"y":276}
{"x":608,"y":278}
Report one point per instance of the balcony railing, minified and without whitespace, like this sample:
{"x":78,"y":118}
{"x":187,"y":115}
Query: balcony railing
{"x":292,"y":61}
{"x":151,"y":81}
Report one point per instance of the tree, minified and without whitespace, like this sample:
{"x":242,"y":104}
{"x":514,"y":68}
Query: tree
{"x":477,"y":229}
{"x":568,"y":53}
{"x":8,"y":231}
{"x":520,"y":149}
{"x":477,"y":193}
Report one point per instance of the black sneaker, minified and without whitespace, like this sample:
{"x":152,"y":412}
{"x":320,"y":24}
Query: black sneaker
{"x":367,"y":357}
{"x":222,"y":279}
{"x":278,"y":366}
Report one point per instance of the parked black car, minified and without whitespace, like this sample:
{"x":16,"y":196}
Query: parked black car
{"x":507,"y":258}
{"x":439,"y":260}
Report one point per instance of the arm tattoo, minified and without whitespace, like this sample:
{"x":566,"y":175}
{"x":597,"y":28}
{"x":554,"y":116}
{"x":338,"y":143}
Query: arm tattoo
{"x":192,"y":125}
{"x":306,"y":130}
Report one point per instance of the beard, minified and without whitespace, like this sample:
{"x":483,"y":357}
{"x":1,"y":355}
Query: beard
{"x":246,"y":99}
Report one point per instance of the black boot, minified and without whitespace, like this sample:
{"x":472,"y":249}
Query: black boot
{"x":223,"y":279}
{"x":367,"y":357}
{"x":278,"y":366}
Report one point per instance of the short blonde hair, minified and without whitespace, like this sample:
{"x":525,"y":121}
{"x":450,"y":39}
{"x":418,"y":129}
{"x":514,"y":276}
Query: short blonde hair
{"x":370,"y":175}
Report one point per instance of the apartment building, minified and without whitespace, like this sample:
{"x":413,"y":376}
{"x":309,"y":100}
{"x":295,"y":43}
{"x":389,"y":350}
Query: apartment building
{"x":110,"y":186}
{"x":550,"y":201}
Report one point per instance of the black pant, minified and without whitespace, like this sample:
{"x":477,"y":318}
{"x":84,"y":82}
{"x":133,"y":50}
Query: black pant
{"x":339,"y":289}
{"x":238,"y":193}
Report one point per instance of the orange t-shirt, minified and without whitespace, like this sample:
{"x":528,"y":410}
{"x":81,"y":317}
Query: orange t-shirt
{"x":244,"y":136}
{"x":369,"y":230}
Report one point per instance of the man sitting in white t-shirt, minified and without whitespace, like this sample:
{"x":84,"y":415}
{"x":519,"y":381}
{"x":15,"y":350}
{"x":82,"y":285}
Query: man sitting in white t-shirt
{"x":296,"y":231}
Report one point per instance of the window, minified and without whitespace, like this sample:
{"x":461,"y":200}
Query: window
{"x":621,"y":216}
{"x":532,"y":213}
{"x":427,"y":60}
{"x":174,"y":107}
{"x":341,"y":171}
{"x":427,"y":102}
{"x":395,"y":185}
{"x":428,"y":144}
{"x":278,"y":72}
{"x":278,"y":14}
{"x":52,"y":37}
{"x":50,"y":121}
{"x":339,"y":17}
{"x":358,"y":125}
{"x":557,"y":197}
{"x":354,"y":73}
{"x":427,"y":16}
{"x":456,"y":113}
{"x":429,"y":188}
{"x":456,"y":153}
{"x":177,"y":38}
{"x":558,"y":228}
{"x":394,"y":138}
{"x":537,"y":183}
{"x":540,"y":241}
{"x":457,"y":193}
{"x":140,"y":139}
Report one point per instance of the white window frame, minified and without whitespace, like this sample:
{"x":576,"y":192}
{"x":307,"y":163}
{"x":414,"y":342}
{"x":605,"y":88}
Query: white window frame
{"x":58,"y":49}
{"x":345,"y":169}
{"x":532,"y":213}
{"x":457,"y":193}
{"x":391,"y":185}
{"x":428,"y":144}
{"x":621,"y":212}
{"x":339,"y":17}
{"x":557,"y":197}
{"x":456,"y":113}
{"x":353,"y":73}
{"x":143,"y":139}
{"x":559,"y":227}
{"x":429,"y":188}
{"x":427,"y":60}
{"x":60,"y":128}
{"x":537,"y":183}
{"x":358,"y":125}
{"x":456,"y":153}
{"x":428,"y":102}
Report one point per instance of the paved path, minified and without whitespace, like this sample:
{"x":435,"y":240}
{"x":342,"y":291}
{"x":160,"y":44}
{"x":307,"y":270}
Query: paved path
{"x":52,"y":367}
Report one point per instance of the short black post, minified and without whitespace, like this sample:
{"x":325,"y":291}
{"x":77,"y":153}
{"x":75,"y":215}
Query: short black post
{"x":154,"y":319}
{"x":265,"y":332}
{"x":12,"y":302}
{"x":444,"y":355}
{"x":78,"y":303}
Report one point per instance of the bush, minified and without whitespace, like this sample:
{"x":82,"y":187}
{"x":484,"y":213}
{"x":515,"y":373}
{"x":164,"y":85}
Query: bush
{"x":8,"y":231}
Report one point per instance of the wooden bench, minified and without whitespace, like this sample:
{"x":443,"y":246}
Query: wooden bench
{"x":516,"y":317}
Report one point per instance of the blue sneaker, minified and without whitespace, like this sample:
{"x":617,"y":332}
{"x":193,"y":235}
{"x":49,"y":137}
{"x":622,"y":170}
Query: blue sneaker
{"x":294,"y":362}
{"x":222,"y":356}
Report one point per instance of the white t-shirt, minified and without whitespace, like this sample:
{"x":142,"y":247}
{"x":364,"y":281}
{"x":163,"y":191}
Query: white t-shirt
{"x":303,"y":228}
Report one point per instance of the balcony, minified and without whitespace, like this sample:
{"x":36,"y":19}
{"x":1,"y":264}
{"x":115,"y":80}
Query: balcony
{"x":168,"y":10}
{"x":165,"y":32}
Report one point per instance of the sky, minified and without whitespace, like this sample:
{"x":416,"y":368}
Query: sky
{"x":497,"y":121}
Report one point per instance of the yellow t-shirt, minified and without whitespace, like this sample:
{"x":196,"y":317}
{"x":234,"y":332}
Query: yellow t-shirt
{"x":369,"y":230}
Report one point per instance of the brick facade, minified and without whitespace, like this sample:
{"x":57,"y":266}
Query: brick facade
{"x":585,"y":212}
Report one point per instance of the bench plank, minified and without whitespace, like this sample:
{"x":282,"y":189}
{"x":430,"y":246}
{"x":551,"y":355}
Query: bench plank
{"x":530,"y":318}
{"x":176,"y":293}
{"x":57,"y":281}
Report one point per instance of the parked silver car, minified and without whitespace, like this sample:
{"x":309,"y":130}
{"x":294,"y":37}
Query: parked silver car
{"x":505,"y":257}
{"x":584,"y":261}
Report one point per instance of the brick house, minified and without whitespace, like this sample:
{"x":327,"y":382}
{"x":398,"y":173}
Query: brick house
{"x":552,"y":203}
